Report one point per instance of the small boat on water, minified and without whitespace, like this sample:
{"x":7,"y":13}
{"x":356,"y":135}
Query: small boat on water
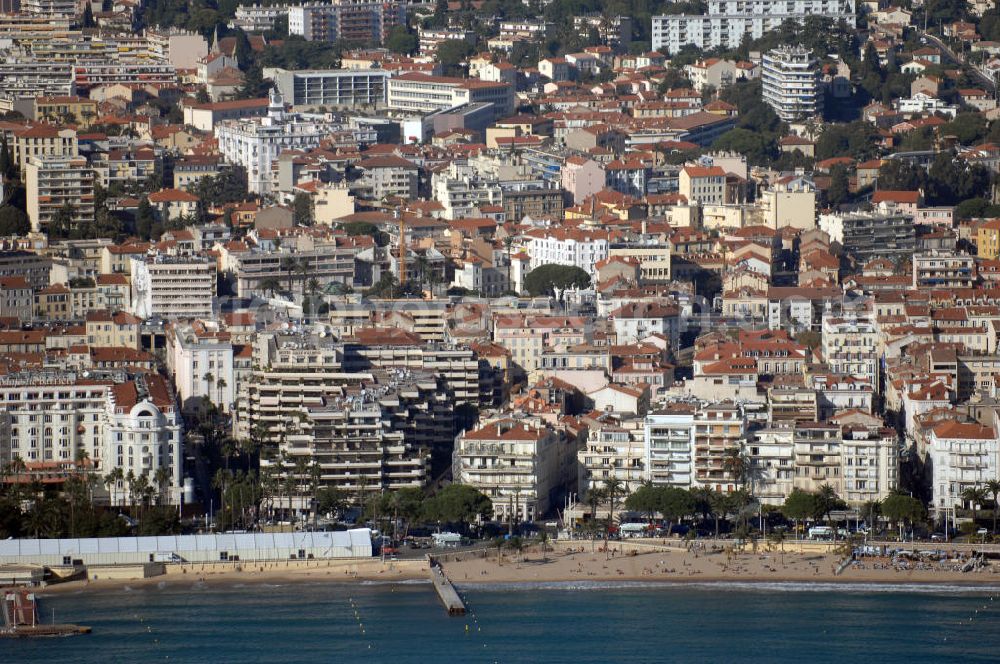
{"x":20,"y":617}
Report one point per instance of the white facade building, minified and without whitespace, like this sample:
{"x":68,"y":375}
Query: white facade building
{"x":961,"y":456}
{"x":519,"y":466}
{"x":168,"y":287}
{"x":727,"y":23}
{"x":255,"y":143}
{"x":670,"y":446}
{"x":850,"y":346}
{"x":53,"y":416}
{"x":568,"y":246}
{"x":202,"y":364}
{"x":142,"y":434}
{"x":791,"y":83}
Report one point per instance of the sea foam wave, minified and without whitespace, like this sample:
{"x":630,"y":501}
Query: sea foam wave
{"x":739,"y":586}
{"x":402,"y":582}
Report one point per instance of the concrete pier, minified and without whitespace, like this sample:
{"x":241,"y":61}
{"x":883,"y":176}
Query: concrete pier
{"x":449,"y":596}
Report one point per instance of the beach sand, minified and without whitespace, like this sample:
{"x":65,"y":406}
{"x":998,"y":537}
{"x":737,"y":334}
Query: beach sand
{"x":579,"y":562}
{"x":562,"y":562}
{"x":276,"y":572}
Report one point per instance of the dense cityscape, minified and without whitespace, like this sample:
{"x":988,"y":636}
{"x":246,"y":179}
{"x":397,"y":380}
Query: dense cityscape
{"x":401,"y":280}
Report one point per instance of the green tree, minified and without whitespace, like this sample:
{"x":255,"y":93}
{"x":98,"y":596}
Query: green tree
{"x":87,"y":20}
{"x":613,"y":489}
{"x":759,"y":148}
{"x":839,"y":191}
{"x":13,"y":221}
{"x":993,"y":487}
{"x":401,"y":41}
{"x":901,"y":508}
{"x":545,"y":278}
{"x":62,"y":223}
{"x":974,"y":496}
{"x":451,"y":53}
{"x":799,"y":505}
{"x":302,"y":209}
{"x":365,"y":228}
{"x":645,"y":499}
{"x":827,"y":500}
{"x":674,"y":504}
{"x":459,"y":503}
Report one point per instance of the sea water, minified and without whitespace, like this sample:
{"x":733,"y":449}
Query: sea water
{"x":545,"y":622}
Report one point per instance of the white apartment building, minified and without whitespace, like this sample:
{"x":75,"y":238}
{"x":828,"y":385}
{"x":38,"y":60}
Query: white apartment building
{"x":943,"y":270}
{"x":173,"y":287}
{"x":51,"y":9}
{"x":422,"y":93}
{"x":255,"y":143}
{"x":849,"y":346}
{"x":728,"y":22}
{"x":772,"y":455}
{"x":52,"y":182}
{"x":961,"y":456}
{"x":463,"y":192}
{"x":142,"y":433}
{"x":201,"y":362}
{"x":361,"y":21}
{"x":791,"y":83}
{"x":818,"y":456}
{"x":718,"y":429}
{"x":520,"y":466}
{"x":54,"y":416}
{"x":669,"y":445}
{"x":331,"y":87}
{"x":257,"y":18}
{"x":870,"y":464}
{"x":567,"y":246}
{"x":615,"y":449}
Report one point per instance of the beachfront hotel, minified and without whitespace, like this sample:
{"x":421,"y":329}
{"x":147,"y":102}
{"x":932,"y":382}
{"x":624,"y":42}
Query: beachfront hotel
{"x":520,"y":465}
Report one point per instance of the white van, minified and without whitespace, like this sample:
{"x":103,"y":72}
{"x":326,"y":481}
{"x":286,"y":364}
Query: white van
{"x":820,"y":532}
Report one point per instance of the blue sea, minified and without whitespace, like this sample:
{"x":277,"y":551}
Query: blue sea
{"x":557,"y":622}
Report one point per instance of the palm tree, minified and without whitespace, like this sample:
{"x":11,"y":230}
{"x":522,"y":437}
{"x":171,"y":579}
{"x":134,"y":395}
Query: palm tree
{"x":595,"y":497}
{"x":130,"y":482}
{"x":220,"y":385}
{"x":162,"y":480}
{"x":543,"y":540}
{"x":613,"y":489}
{"x":289,"y":265}
{"x":269,"y":285}
{"x":516,"y":545}
{"x":993,"y":486}
{"x":221,"y":482}
{"x":975,"y":496}
{"x":209,"y":378}
{"x":736,"y":462}
{"x":313,"y":287}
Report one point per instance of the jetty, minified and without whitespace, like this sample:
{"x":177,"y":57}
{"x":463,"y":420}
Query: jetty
{"x":20,"y":617}
{"x":446,"y":591}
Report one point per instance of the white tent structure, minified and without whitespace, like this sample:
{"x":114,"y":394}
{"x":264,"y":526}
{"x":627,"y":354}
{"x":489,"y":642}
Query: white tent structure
{"x":355,"y":543}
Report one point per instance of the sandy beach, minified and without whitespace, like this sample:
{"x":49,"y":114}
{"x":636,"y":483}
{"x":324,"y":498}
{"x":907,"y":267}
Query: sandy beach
{"x":581,"y":562}
{"x":567,"y":562}
{"x":278,"y":572}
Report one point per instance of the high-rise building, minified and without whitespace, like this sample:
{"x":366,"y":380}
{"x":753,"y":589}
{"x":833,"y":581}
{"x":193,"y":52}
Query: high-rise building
{"x":727,"y":23}
{"x":362,"y":21}
{"x":791,"y":85}
{"x":55,"y":184}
